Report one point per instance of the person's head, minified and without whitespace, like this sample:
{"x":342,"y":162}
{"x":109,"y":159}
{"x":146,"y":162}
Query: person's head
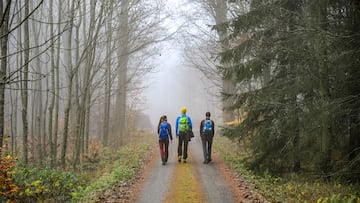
{"x":164,"y":118}
{"x":183,"y":110}
{"x":207,"y":114}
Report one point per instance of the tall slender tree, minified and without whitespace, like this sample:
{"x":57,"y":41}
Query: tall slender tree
{"x":70,"y":77}
{"x":4,"y":37}
{"x":123,"y":59}
{"x":24,"y":88}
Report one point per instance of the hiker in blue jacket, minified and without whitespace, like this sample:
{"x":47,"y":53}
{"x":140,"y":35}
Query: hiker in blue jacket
{"x":207,"y":131}
{"x":164,"y":132}
{"x":182,"y":127}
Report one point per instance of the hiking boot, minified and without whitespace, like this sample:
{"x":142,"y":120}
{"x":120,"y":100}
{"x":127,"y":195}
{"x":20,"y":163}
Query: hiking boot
{"x":179,"y":159}
{"x":184,"y":160}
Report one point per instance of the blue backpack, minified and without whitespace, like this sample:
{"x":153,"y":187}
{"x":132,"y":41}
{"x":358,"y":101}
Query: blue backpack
{"x":164,"y":131}
{"x":207,"y":127}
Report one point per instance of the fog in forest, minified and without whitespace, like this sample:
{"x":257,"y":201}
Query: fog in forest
{"x":176,"y":85}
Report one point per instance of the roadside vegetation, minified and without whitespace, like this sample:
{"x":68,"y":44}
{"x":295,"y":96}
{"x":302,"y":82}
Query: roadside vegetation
{"x":104,"y":169}
{"x":288,"y":187}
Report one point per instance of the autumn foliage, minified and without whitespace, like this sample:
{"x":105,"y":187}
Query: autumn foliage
{"x":7,"y":188}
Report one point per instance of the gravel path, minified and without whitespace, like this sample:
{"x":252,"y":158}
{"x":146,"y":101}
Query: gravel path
{"x":215,"y":186}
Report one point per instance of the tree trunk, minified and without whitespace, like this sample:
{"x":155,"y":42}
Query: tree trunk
{"x":123,"y":58}
{"x":77,"y":108}
{"x":38,"y":103}
{"x":86,"y":137}
{"x":107,"y":76}
{"x":70,"y":76}
{"x":24,"y":88}
{"x":57,"y":85}
{"x":220,"y":9}
{"x":13,"y":124}
{"x":53,"y":96}
{"x":4,"y":49}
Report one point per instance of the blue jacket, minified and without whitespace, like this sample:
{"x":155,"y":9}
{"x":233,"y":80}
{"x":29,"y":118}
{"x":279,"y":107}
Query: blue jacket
{"x":177,"y":123}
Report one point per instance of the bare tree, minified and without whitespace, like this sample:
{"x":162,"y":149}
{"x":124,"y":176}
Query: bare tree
{"x":70,"y":76}
{"x":52,"y":95}
{"x":57,"y":86}
{"x":123,"y":58}
{"x":4,"y":31}
{"x":107,"y":75}
{"x":91,"y":39}
{"x":38,"y":95}
{"x":204,"y":46}
{"x":138,"y":29}
{"x":24,"y":88}
{"x":86,"y":47}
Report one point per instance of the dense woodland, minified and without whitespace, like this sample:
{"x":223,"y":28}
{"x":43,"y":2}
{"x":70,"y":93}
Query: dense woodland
{"x":72,"y":73}
{"x":297,"y":67}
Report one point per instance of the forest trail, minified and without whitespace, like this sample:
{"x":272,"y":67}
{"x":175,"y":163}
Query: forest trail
{"x":192,"y":181}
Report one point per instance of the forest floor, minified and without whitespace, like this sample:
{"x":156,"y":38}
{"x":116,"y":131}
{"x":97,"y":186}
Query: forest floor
{"x":192,"y":181}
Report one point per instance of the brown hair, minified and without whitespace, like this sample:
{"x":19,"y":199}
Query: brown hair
{"x":207,"y":114}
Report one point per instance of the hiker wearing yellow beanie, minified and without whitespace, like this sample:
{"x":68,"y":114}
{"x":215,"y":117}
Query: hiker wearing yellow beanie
{"x":182,"y":127}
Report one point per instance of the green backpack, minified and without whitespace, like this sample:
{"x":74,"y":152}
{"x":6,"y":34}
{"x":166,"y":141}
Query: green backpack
{"x":183,"y":124}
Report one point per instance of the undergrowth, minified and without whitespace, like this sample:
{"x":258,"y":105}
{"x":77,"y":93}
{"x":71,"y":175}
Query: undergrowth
{"x":294,"y":187}
{"x":128,"y":160}
{"x":83,"y":185}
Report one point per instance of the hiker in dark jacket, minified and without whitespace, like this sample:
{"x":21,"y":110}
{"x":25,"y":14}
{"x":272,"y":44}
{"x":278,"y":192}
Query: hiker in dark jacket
{"x":207,"y":131}
{"x":164,"y":132}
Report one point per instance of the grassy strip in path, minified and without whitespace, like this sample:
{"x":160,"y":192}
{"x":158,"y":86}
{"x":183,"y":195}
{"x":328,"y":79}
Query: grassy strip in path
{"x":184,"y":185}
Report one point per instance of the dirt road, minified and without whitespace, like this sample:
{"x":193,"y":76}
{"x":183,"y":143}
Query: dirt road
{"x":192,"y":181}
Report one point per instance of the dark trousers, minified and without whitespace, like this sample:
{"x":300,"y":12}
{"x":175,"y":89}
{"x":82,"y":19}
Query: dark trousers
{"x":206,"y":145}
{"x":183,"y":141}
{"x":164,"y":149}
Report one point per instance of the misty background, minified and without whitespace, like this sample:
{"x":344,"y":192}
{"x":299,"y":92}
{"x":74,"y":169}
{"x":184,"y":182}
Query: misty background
{"x":176,"y":85}
{"x":175,"y":82}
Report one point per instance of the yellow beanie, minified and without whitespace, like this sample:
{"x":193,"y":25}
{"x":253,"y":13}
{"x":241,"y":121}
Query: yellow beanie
{"x":183,"y":109}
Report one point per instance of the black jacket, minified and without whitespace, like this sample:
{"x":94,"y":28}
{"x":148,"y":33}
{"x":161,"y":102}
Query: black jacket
{"x":202,"y":127}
